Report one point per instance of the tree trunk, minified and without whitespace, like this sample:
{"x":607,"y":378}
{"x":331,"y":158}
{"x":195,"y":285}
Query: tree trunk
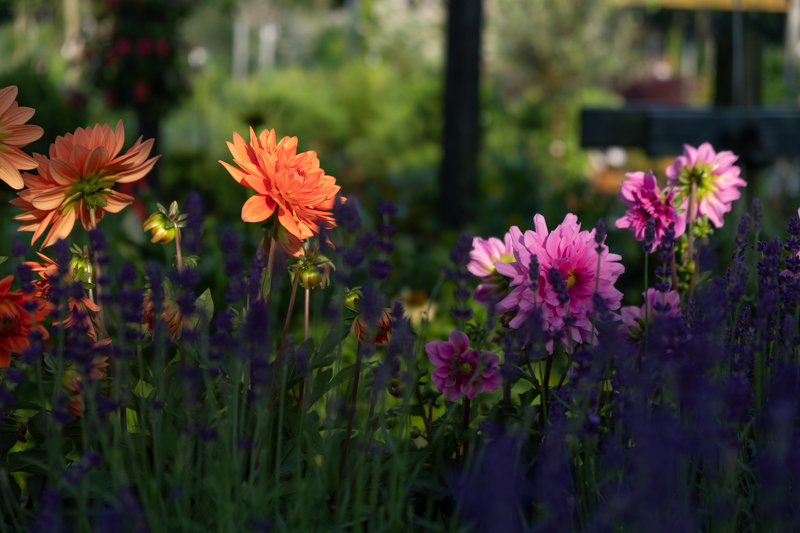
{"x":458,"y":180}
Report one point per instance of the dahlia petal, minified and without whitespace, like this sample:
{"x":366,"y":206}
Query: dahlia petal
{"x":459,"y":340}
{"x":439,"y":353}
{"x":9,"y":174}
{"x":51,"y":199}
{"x":116,"y":201}
{"x":257,"y":209}
{"x":492,"y":382}
{"x":19,"y":159}
{"x":138,"y":173}
{"x":7,"y":97}
{"x":61,"y":229}
{"x":61,"y":148}
{"x":5,"y":283}
{"x":64,"y":171}
{"x":18,"y":116}
{"x":95,"y":161}
{"x":42,"y":226}
{"x":23,"y":134}
{"x":5,"y":358}
{"x":237,"y":174}
{"x":287,"y":221}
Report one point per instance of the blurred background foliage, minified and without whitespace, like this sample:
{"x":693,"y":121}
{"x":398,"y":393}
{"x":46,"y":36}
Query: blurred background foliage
{"x":361,"y":83}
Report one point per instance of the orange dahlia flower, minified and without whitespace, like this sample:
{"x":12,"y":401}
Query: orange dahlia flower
{"x":14,"y":134}
{"x":77,"y":179}
{"x":15,"y":322}
{"x":287,"y":182}
{"x":48,"y":273}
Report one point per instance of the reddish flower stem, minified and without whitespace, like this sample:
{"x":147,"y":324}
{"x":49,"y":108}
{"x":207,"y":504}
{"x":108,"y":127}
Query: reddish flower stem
{"x":690,"y":219}
{"x":306,"y":314}
{"x":96,"y":279}
{"x":273,"y":247}
{"x":178,"y":248}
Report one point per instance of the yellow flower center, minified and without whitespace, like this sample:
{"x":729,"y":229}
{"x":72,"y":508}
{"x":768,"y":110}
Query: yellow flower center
{"x":465,"y":369}
{"x":572,"y":279}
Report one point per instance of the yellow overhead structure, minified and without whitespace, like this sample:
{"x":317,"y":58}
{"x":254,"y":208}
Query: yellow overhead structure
{"x":764,"y":6}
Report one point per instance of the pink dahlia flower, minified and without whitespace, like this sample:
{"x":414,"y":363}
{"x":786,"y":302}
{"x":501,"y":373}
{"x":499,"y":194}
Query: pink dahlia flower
{"x":658,"y":304}
{"x":717,"y":180}
{"x":573,"y":253}
{"x":642,"y":195}
{"x":484,"y":254}
{"x":462,"y":371}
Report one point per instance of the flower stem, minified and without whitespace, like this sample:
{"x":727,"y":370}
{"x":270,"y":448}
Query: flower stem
{"x":96,"y":280}
{"x":285,"y":331}
{"x":352,"y":412}
{"x":696,"y":272}
{"x":546,"y":388}
{"x":596,"y":289}
{"x":690,"y":224}
{"x":306,"y":314}
{"x":178,"y":249}
{"x":425,"y":419}
{"x":273,"y":247}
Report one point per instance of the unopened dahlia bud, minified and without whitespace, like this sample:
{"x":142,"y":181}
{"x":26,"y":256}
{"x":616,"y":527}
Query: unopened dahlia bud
{"x":80,"y":267}
{"x":161,"y":228}
{"x":310,"y":277}
{"x":351,"y":297}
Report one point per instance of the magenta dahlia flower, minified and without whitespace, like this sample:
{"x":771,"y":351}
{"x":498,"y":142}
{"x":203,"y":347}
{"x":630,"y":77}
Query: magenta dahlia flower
{"x":462,"y":371}
{"x":646,"y":201}
{"x":484,"y":254}
{"x":716,"y":177}
{"x":658,"y":304}
{"x":573,"y":253}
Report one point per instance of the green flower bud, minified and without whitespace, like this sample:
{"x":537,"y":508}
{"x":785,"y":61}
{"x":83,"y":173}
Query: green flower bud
{"x":161,"y":228}
{"x":310,"y":277}
{"x":80,"y":267}
{"x":350,"y":299}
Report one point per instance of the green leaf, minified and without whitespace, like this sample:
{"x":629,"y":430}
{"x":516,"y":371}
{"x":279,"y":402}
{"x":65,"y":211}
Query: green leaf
{"x":8,"y":440}
{"x":30,"y":461}
{"x":346,"y":374}
{"x":527,"y":397}
{"x":521,"y":374}
{"x":331,"y":341}
{"x":9,"y":485}
{"x":37,"y":427}
{"x":204,"y":311}
{"x":3,"y":259}
{"x":28,"y":406}
{"x":321,"y":381}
